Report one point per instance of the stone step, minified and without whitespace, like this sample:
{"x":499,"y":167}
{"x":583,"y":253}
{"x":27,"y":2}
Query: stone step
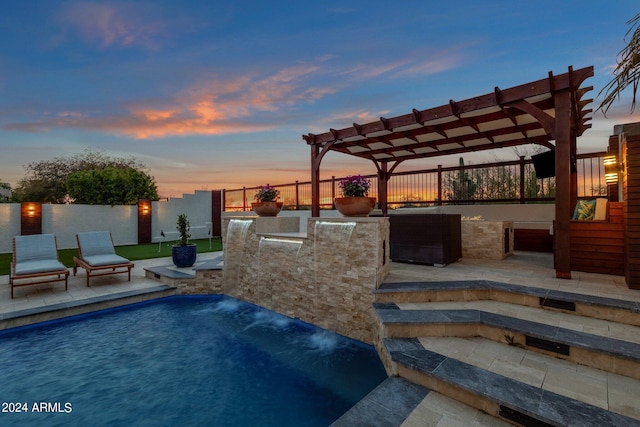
{"x":603,"y":328}
{"x":610,"y":354}
{"x":594,"y":386}
{"x":599,"y":307}
{"x":204,"y":277}
{"x":398,"y":402}
{"x":495,"y":394}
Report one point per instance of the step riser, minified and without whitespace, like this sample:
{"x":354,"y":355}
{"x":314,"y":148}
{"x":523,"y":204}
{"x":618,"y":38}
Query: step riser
{"x":581,"y":309}
{"x":605,"y":362}
{"x":498,"y":395}
{"x":472,"y":399}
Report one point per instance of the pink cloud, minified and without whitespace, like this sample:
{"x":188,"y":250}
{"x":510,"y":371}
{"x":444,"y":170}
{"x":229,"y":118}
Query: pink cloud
{"x":212,"y":107}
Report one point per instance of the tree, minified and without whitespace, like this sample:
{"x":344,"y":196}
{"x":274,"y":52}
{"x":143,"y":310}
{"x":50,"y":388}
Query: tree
{"x":46,"y":180}
{"x":461,"y":186}
{"x":5,"y":192}
{"x":111,"y":186}
{"x":627,"y":71}
{"x":499,"y":182}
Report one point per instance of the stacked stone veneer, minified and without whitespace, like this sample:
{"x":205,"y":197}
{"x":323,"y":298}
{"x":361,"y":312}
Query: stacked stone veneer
{"x":206,"y":281}
{"x":324,"y":276}
{"x":486,"y":239}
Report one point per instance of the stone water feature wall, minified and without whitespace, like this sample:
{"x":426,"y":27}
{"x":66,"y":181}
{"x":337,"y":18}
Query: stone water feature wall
{"x":324,"y":276}
{"x":487,"y":239}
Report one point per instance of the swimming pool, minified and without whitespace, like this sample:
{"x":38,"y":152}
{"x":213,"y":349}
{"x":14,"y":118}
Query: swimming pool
{"x":183,"y":360}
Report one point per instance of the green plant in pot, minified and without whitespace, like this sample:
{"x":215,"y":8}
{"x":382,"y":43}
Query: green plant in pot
{"x":183,"y":253}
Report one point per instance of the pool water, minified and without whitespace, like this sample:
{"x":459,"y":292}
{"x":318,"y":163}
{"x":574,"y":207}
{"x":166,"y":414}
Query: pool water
{"x":182,"y":361}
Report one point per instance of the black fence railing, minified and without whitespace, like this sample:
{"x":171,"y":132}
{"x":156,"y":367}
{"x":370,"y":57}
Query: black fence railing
{"x":498,"y":182}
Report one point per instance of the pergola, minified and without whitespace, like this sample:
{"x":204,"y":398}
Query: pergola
{"x":548,"y":112}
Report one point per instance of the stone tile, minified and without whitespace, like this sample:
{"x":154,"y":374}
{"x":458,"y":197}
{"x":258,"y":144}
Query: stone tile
{"x":423,"y":415}
{"x":485,"y":420}
{"x":580,"y":387}
{"x":624,"y":395}
{"x":588,"y":371}
{"x":630,"y":368}
{"x":388,"y":404}
{"x":503,"y":351}
{"x":516,"y":371}
{"x":625,"y":332}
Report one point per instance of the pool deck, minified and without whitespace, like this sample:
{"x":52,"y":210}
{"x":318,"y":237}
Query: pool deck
{"x":43,"y":302}
{"x":39,"y":303}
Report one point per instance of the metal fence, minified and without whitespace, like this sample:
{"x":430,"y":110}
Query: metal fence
{"x":498,"y":182}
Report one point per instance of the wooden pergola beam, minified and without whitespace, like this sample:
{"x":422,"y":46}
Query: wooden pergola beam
{"x":549,"y":109}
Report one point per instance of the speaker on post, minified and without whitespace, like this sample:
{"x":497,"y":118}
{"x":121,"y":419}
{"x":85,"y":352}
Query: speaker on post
{"x":545,"y":164}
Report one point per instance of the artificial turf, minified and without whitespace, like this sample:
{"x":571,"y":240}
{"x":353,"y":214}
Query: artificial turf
{"x":131,"y":252}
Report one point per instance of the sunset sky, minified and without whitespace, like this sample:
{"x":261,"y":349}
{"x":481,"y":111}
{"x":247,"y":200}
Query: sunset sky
{"x":212,"y":95}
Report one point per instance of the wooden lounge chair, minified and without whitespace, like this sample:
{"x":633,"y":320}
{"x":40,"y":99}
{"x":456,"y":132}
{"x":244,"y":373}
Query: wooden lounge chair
{"x":98,"y":256}
{"x":35,"y":257}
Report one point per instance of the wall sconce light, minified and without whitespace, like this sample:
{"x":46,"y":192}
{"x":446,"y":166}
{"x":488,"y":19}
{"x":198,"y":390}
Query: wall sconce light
{"x":145,"y":207}
{"x":30,"y":218}
{"x":611,"y":169}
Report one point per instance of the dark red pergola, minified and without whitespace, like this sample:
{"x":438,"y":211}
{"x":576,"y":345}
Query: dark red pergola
{"x":548,"y":112}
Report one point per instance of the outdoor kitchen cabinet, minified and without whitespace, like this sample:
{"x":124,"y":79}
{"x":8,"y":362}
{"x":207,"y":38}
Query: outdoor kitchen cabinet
{"x":425,"y":238}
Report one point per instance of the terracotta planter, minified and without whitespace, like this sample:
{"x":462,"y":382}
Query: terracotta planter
{"x":266,"y":208}
{"x":355,"y":206}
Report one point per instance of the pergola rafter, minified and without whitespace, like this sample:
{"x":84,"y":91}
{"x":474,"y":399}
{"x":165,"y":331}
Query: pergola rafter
{"x":539,"y":112}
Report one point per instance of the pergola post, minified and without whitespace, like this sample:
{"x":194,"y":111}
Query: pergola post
{"x":383,"y":180}
{"x":562,"y":251}
{"x":315,"y":181}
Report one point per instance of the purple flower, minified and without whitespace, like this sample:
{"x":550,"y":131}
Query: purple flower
{"x":354,"y":186}
{"x":267,"y":193}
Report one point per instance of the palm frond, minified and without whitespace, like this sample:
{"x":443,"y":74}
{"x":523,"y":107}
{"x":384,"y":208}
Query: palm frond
{"x":627,"y":71}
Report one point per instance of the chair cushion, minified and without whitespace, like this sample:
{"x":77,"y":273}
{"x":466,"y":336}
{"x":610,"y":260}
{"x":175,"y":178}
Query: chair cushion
{"x":102,"y":260}
{"x":95,"y":243}
{"x":601,"y":209}
{"x":31,"y":267}
{"x":585,"y":209}
{"x":36,"y":247}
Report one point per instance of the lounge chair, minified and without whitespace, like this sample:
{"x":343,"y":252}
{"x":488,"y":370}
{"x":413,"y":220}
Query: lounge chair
{"x":36,"y":257}
{"x":98,"y":256}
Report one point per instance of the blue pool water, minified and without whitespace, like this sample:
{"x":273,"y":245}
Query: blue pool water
{"x":181,"y":361}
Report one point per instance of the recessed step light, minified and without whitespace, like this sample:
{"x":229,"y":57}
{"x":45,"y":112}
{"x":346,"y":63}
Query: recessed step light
{"x":543,"y":344}
{"x":556,"y":303}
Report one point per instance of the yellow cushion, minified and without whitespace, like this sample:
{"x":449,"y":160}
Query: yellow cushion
{"x":601,"y":209}
{"x":585,"y":209}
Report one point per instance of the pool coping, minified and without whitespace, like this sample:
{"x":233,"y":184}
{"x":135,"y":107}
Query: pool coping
{"x":43,"y":313}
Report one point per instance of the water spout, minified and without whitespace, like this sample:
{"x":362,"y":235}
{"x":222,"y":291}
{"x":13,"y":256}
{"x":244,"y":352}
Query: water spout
{"x":269,"y":246}
{"x":234,"y":250}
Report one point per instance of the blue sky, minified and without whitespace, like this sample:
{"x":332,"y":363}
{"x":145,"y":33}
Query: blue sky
{"x":213,"y":95}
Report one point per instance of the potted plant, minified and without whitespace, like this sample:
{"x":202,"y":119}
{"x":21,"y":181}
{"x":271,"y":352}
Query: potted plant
{"x":266,"y":203}
{"x":354,"y":200}
{"x":183,"y":253}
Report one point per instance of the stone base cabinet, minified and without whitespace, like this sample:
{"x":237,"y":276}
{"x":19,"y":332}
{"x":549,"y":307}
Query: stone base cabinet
{"x":425,"y":238}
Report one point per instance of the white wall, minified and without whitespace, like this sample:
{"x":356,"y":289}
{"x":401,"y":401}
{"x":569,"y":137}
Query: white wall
{"x":197,"y":207}
{"x":9,"y":225}
{"x":122,"y":221}
{"x":526,"y":216}
{"x":66,"y":220}
{"x":529,"y":216}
